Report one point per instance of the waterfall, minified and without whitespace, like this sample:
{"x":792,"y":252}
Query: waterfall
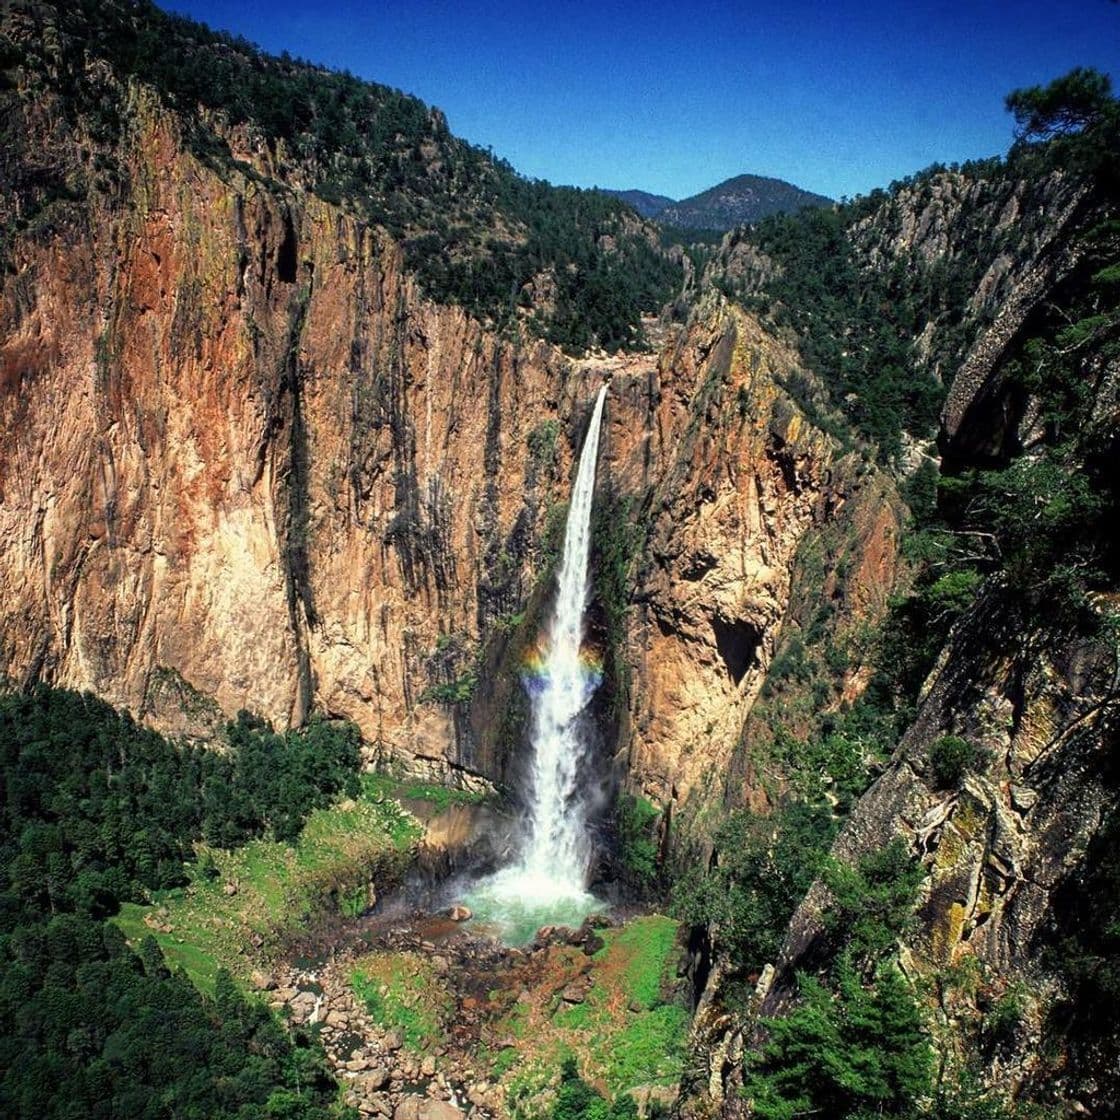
{"x":557,"y":847}
{"x":549,"y":880}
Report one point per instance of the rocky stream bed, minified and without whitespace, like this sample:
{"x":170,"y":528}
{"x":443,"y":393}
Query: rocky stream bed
{"x":382,"y":1075}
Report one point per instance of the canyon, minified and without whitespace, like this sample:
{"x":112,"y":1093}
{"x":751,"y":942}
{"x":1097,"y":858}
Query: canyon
{"x":255,"y":460}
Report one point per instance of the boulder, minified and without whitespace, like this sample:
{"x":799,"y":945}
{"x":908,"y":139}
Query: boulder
{"x":592,"y":943}
{"x":481,"y":1095}
{"x":437,"y":1110}
{"x":408,"y":1108}
{"x":459,"y":913}
{"x":376,"y":1079}
{"x":302,"y":1005}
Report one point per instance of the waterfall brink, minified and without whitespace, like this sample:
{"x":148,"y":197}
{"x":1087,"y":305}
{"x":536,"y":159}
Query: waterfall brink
{"x":549,"y":881}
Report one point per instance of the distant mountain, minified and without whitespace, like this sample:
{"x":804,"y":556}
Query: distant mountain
{"x":648,"y":205}
{"x":738,"y":201}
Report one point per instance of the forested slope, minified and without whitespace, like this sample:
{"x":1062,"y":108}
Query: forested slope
{"x":867,"y":751}
{"x":98,"y":811}
{"x":947,"y":960}
{"x":576,"y":266}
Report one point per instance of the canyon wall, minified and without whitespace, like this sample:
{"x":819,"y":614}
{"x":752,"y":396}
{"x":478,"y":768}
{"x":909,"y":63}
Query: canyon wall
{"x":249,"y":466}
{"x":1033,"y":687}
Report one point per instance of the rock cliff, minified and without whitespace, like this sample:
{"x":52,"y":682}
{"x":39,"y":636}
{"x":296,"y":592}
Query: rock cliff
{"x":743,"y":481}
{"x":248,"y":463}
{"x":251,"y":466}
{"x":1029,"y":684}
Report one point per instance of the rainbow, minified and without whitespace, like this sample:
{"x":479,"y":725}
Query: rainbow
{"x":534,"y":669}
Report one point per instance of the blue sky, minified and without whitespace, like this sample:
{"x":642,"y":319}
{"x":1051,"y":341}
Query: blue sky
{"x":675,"y":97}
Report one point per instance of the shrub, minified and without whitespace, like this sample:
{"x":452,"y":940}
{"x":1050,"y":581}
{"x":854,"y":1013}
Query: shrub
{"x":872,"y":902}
{"x":1004,"y":1017}
{"x":950,"y":758}
{"x":764,"y":866}
{"x":860,"y":1051}
{"x":637,"y":837}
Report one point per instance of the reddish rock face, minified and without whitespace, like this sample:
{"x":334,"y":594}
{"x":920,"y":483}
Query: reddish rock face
{"x":248,"y":466}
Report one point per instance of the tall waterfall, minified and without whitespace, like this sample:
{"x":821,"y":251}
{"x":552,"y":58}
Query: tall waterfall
{"x":549,"y":880}
{"x":557,"y":849}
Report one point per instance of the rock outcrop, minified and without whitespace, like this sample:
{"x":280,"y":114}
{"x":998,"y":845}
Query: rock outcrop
{"x":742,"y":478}
{"x":1033,"y":691}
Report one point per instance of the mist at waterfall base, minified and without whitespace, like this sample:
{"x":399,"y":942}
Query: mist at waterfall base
{"x":548,"y":883}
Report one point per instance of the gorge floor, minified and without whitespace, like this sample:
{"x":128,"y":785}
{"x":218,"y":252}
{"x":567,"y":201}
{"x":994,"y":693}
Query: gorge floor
{"x":420,"y":1017}
{"x":425,"y":1011}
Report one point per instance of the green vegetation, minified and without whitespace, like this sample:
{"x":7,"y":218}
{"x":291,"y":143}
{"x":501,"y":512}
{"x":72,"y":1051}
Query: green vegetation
{"x":458,"y":691}
{"x":576,"y":1100}
{"x":645,"y":950}
{"x":763,"y":866}
{"x":855,"y":1045}
{"x":506,"y":1059}
{"x":542,"y":447}
{"x":950,"y":758}
{"x":855,"y":326}
{"x":832,"y":766}
{"x":856,"y":1051}
{"x":871,"y":903}
{"x":1079,"y":106}
{"x":95,"y":1030}
{"x":637,"y":822}
{"x":1004,"y":1017}
{"x":628,"y":1031}
{"x":98,"y":812}
{"x":650,"y":1049}
{"x":381,"y":787}
{"x":474,"y":231}
{"x":1042,"y":524}
{"x":453,"y":667}
{"x":1083,"y":944}
{"x":617,"y":537}
{"x":342,"y":850}
{"x":402,"y":993}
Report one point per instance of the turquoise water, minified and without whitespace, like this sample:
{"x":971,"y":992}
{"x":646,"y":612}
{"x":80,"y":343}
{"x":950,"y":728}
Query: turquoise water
{"x":513,"y":905}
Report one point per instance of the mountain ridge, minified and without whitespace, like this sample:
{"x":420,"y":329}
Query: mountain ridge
{"x":741,"y":200}
{"x":647,"y":204}
{"x":573,"y":266}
